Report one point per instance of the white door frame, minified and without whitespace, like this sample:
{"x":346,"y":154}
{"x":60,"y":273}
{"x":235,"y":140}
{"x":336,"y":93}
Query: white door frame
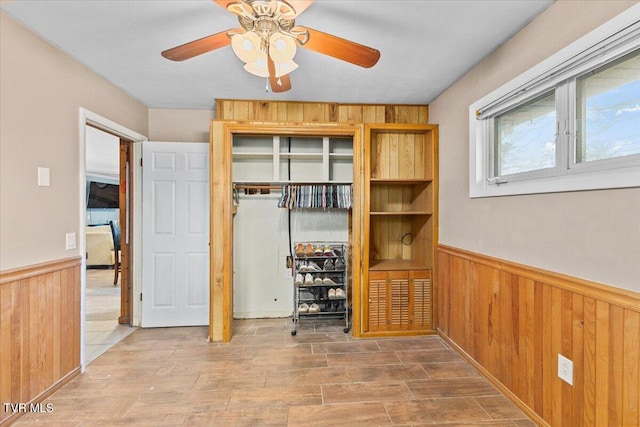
{"x":90,"y":118}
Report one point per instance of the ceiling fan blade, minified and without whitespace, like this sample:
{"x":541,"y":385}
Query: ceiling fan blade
{"x":200,"y":46}
{"x":224,"y":3}
{"x":277,"y":84}
{"x":300,"y":5}
{"x":340,"y":48}
{"x":280,"y":84}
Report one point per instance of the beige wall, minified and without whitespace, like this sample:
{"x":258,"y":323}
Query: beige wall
{"x":42,"y":91}
{"x":169,"y":125}
{"x":593,"y":235}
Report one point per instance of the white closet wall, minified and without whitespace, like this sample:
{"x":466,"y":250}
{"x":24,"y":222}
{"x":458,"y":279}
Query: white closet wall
{"x":262,"y":284}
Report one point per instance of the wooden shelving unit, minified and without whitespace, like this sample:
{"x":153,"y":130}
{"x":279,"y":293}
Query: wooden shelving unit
{"x":400,"y":192}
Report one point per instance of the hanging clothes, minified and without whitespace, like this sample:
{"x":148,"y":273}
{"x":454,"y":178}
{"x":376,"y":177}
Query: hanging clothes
{"x":316,"y":196}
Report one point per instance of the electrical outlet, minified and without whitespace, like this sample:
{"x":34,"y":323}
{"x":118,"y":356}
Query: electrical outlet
{"x":565,"y":369}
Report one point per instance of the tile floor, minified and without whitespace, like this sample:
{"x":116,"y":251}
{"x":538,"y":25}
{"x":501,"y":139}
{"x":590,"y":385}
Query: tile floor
{"x":102,"y":305}
{"x":266,"y":377}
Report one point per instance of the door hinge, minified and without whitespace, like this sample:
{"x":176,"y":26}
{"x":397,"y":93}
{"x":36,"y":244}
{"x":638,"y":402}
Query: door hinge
{"x":141,"y":162}
{"x":140,"y":296}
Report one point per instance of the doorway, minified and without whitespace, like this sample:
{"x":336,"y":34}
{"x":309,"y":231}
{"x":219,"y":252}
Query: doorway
{"x":107,"y":262}
{"x":109,"y":206}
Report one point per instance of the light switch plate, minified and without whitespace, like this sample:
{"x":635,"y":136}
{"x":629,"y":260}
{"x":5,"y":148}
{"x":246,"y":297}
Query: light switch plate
{"x":43,"y":177}
{"x":70,"y":241}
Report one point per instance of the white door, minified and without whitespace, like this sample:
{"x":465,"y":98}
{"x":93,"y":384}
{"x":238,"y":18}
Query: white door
{"x":175,"y":234}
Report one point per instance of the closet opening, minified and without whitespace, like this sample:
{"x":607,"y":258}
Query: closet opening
{"x":282,"y":186}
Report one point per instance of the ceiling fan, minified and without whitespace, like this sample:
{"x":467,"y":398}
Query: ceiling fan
{"x":268,"y":37}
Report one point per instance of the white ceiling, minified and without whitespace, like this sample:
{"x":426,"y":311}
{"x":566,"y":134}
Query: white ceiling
{"x":425,"y":46}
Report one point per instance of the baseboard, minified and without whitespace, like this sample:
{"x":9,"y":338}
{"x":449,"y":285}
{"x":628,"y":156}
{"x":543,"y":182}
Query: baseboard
{"x":42,"y":396}
{"x":497,"y":384}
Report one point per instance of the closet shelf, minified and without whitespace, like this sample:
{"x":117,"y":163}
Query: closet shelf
{"x":387,"y":213}
{"x":285,"y":182}
{"x":252,"y":155}
{"x":399,"y":181}
{"x":301,"y":156}
{"x":396,"y":264}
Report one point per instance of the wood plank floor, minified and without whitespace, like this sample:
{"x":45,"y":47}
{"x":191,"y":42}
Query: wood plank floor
{"x":266,"y":377}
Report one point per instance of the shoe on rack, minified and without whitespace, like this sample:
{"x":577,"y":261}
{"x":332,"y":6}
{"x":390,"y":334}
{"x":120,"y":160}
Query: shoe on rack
{"x":308,"y":279}
{"x":329,"y":265}
{"x":333,"y":307}
{"x":303,"y":308}
{"x":312,"y":266}
{"x":300,"y":249}
{"x":314,"y":308}
{"x":340,"y":264}
{"x":327,"y":281}
{"x":318,"y":250}
{"x":332,"y":293}
{"x":339,"y":293}
{"x":299,"y":279}
{"x":317,"y":280}
{"x":327,"y":251}
{"x":308,"y":250}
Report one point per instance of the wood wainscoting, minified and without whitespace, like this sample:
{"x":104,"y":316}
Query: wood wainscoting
{"x":39,"y":331}
{"x":511,"y":321}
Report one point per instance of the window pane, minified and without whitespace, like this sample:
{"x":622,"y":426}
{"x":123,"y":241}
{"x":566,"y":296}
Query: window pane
{"x":525,"y":137}
{"x":608,"y":111}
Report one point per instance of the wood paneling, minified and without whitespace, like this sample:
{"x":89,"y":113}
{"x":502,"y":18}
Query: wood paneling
{"x":39,"y":330}
{"x":323,"y":112}
{"x":512,"y":321}
{"x":301,"y":118}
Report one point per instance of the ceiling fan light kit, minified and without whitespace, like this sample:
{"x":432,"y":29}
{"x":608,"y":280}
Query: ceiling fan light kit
{"x":268,"y":40}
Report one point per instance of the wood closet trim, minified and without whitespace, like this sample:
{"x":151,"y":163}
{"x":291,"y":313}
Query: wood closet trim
{"x":221,"y":217}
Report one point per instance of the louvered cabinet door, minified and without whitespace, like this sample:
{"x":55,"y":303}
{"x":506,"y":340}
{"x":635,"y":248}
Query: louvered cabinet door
{"x":377,"y":301}
{"x":388,"y":301}
{"x":400,"y":300}
{"x":398,"y":288}
{"x":421,"y":290}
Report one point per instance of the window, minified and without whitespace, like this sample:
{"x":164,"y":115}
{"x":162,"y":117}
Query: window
{"x":524,"y":139}
{"x":570,"y":123}
{"x":608,"y":111}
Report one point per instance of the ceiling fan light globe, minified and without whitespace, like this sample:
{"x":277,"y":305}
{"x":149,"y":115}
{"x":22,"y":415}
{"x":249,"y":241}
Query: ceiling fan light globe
{"x":258,"y":67}
{"x":286,"y":68}
{"x":282,"y":48}
{"x":246,"y":46}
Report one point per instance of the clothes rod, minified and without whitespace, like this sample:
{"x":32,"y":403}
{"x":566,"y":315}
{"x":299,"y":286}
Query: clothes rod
{"x":258,"y":186}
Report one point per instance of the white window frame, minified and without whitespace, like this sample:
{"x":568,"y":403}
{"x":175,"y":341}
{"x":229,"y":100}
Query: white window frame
{"x":615,"y":38}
